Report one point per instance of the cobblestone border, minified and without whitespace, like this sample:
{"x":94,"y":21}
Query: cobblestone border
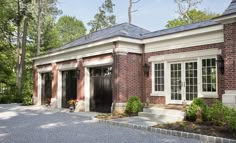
{"x":204,"y":138}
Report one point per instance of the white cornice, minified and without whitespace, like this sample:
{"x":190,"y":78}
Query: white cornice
{"x":90,"y":45}
{"x":184,"y":34}
{"x":226,"y":19}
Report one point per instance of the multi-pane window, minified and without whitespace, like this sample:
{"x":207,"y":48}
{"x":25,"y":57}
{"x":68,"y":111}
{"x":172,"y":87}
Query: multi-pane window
{"x":209,"y":75}
{"x":159,"y":77}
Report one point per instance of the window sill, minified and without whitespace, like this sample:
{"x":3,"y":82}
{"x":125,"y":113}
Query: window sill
{"x":209,"y":95}
{"x":162,"y":94}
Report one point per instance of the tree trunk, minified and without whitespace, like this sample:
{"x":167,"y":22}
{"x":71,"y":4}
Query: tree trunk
{"x":22,"y":57}
{"x":18,"y":22}
{"x":130,"y":11}
{"x":39,"y":27}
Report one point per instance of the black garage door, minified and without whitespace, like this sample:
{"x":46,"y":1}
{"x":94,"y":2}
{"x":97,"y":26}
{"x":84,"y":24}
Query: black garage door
{"x":101,"y":89}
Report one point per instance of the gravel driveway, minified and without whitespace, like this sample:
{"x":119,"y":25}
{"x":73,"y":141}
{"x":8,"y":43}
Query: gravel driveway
{"x":20,"y":124}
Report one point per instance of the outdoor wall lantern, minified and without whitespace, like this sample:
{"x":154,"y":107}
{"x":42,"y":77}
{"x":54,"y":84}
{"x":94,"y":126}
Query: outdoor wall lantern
{"x":78,"y":73}
{"x":220,"y":64}
{"x":146,"y":69}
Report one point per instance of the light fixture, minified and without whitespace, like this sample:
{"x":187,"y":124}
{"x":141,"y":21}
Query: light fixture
{"x":220,"y":64}
{"x":146,"y":69}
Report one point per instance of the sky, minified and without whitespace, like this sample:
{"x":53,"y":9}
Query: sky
{"x":151,"y":15}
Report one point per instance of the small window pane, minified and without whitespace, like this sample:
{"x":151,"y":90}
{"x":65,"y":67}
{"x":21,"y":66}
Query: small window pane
{"x":159,"y":76}
{"x":209,"y":75}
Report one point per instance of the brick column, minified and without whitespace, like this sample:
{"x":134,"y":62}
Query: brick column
{"x":120,"y":84}
{"x":80,"y":88}
{"x":54,"y":86}
{"x":229,"y":98}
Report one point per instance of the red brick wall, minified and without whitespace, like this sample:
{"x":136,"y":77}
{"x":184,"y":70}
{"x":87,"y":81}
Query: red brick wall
{"x":230,"y":56}
{"x":135,"y":74}
{"x":127,"y":76}
{"x":80,"y":81}
{"x":148,"y":80}
{"x":35,"y":86}
{"x":121,"y":78}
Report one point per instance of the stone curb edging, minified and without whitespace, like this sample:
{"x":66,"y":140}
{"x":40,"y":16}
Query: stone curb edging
{"x":204,"y":138}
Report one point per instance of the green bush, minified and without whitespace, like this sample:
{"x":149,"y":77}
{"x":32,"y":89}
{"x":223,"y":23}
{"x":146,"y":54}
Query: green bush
{"x":218,"y":113}
{"x":192,"y":110}
{"x":134,"y":105}
{"x":231,"y":119}
{"x":222,"y":115}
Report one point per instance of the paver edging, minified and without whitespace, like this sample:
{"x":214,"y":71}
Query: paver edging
{"x":205,"y":138}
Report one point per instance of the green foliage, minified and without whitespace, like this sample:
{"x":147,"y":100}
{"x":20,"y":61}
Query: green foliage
{"x":231,"y":119}
{"x":194,"y":15}
{"x":222,"y":115}
{"x":69,"y":29}
{"x":218,"y":113}
{"x":134,"y":105}
{"x":104,"y":18}
{"x":192,"y":110}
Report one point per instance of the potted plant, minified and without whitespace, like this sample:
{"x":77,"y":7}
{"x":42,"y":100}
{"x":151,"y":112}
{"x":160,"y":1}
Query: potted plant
{"x":71,"y":104}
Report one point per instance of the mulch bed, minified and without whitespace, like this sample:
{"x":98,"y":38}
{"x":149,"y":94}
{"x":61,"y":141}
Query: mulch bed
{"x":205,"y":128}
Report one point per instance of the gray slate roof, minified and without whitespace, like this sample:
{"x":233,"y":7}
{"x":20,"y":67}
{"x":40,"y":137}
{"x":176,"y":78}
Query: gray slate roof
{"x":180,"y":29}
{"x":231,"y":8}
{"x":123,"y":30}
{"x":130,"y":31}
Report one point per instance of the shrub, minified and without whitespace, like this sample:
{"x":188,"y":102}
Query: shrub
{"x":194,"y":107}
{"x":222,"y":115}
{"x":231,"y":119}
{"x":27,"y":101}
{"x":134,"y":105}
{"x":218,"y":113}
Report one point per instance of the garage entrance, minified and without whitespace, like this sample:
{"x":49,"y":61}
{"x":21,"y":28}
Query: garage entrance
{"x":101,"y":89}
{"x":69,"y":86}
{"x":46,"y":88}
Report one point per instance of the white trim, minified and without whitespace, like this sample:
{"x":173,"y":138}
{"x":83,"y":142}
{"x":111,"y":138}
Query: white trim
{"x":44,"y":69}
{"x":65,"y":56}
{"x":157,"y":93}
{"x":69,"y":66}
{"x":87,"y":89}
{"x":209,"y":94}
{"x":94,"y":44}
{"x":226,"y":19}
{"x":100,"y":62}
{"x":59,"y":89}
{"x":60,"y":68}
{"x":185,"y":55}
{"x":184,"y":34}
{"x":186,"y":39}
{"x":39,"y":88}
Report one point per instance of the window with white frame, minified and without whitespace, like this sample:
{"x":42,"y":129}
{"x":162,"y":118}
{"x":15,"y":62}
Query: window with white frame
{"x":158,"y":77}
{"x":209,"y":75}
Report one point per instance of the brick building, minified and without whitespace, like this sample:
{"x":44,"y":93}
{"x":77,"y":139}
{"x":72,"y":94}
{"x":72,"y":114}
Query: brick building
{"x":170,"y":66}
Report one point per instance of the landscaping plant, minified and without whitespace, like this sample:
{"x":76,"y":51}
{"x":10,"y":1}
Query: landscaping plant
{"x":134,"y":105}
{"x":222,"y":115}
{"x":191,"y":112}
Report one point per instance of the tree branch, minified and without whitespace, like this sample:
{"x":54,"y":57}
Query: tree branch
{"x":136,"y":1}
